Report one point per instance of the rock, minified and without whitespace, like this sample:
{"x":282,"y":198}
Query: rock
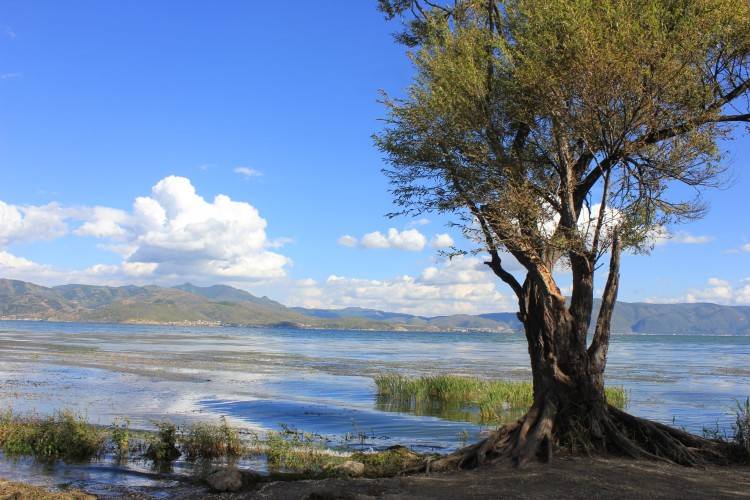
{"x":226,"y":479}
{"x":350,"y":468}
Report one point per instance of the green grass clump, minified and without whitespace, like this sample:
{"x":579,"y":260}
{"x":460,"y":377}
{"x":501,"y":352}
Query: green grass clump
{"x":206,"y":441}
{"x":61,"y":436}
{"x":495,"y":400}
{"x":388,"y":462}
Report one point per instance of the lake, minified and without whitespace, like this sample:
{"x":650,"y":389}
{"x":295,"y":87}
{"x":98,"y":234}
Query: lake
{"x":320,"y":381}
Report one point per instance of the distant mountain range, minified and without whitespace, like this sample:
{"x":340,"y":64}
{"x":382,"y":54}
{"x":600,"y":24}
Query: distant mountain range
{"x":224,"y":305}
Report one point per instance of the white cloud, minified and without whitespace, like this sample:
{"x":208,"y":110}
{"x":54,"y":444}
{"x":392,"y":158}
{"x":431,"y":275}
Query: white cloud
{"x":718,"y":291}
{"x":103,"y":222}
{"x":172,"y":235}
{"x":419,"y":222}
{"x":20,"y":224}
{"x":462,"y":285}
{"x":375,"y":239}
{"x":689,"y":239}
{"x":442,"y":241}
{"x":409,"y":239}
{"x":248,"y":172}
{"x":348,"y":241}
{"x":10,"y":76}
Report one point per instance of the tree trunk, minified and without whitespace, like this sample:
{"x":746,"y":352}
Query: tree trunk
{"x":570,"y":408}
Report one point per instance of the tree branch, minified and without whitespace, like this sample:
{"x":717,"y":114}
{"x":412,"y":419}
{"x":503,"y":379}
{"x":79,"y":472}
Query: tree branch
{"x":600,"y":343}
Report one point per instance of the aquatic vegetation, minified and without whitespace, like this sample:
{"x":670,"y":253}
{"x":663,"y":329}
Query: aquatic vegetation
{"x":120,"y":436}
{"x":61,"y":436}
{"x":208,"y":441}
{"x":741,"y":426}
{"x":162,"y":448}
{"x":454,"y":397}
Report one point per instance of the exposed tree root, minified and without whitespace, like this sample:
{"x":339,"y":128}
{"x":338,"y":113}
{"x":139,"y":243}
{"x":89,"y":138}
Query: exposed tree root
{"x":613,"y":432}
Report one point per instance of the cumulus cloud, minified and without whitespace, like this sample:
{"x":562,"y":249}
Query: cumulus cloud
{"x":248,"y":172}
{"x":441,"y":241}
{"x":462,"y":285}
{"x":409,"y":239}
{"x":179,"y":233}
{"x":173,"y":234}
{"x":20,"y":224}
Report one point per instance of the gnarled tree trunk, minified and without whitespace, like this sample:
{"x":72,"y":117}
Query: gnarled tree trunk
{"x":570,"y":407}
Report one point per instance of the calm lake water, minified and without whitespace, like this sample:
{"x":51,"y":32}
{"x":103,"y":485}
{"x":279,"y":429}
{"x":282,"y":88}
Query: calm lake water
{"x":321,"y":381}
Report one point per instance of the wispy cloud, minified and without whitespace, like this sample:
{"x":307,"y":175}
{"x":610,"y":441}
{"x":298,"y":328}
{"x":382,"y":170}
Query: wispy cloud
{"x":248,"y":172}
{"x":8,"y":31}
{"x":10,"y":76}
{"x":741,"y":248}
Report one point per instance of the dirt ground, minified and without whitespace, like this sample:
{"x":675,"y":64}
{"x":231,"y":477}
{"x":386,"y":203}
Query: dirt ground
{"x":565,"y":478}
{"x":10,"y":490}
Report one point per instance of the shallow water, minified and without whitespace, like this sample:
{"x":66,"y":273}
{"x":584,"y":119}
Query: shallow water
{"x":320,"y":381}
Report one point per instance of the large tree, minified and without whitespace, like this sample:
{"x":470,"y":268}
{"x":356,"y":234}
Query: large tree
{"x":562,"y":133}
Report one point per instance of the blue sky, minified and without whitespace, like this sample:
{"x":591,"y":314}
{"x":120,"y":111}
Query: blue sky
{"x":104,"y":101}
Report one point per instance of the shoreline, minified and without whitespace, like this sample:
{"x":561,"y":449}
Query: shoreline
{"x":565,"y":478}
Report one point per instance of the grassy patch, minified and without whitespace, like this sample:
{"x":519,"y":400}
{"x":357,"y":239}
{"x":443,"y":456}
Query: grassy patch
{"x":61,"y":436}
{"x":387,"y":462}
{"x":294,"y":451}
{"x":455,"y":396}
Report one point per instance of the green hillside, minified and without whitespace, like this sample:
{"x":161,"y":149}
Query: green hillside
{"x":225,"y":305}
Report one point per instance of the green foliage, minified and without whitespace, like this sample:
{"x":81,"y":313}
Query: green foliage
{"x":120,"y":436}
{"x":206,"y":441}
{"x":495,"y":400}
{"x":162,"y":448}
{"x":62,"y":436}
{"x":524,"y":112}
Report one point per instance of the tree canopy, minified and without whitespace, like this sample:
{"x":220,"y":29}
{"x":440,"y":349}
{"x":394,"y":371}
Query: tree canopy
{"x":551,"y":126}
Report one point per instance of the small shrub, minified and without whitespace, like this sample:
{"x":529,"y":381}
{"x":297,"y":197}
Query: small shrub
{"x":120,"y":435}
{"x":209,"y":441}
{"x":162,"y":448}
